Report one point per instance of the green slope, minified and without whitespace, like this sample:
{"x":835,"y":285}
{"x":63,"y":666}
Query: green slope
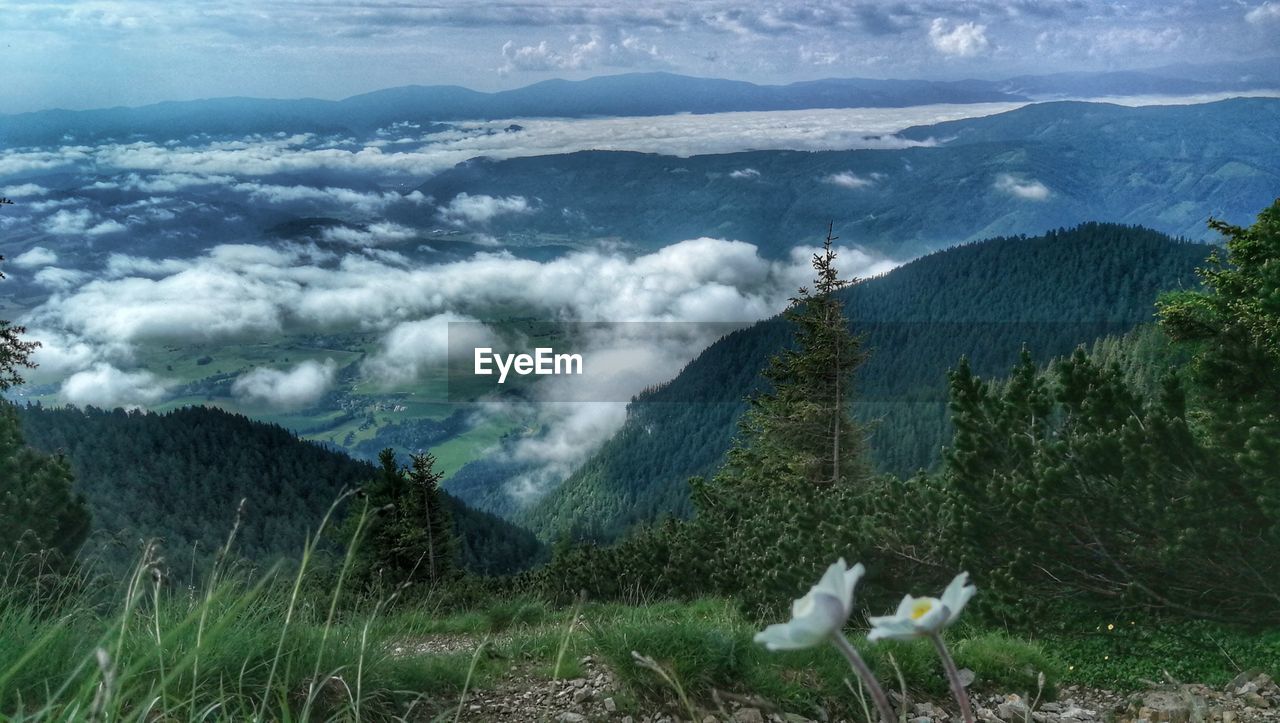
{"x":1026,"y":171}
{"x":984,"y":300}
{"x":179,"y":476}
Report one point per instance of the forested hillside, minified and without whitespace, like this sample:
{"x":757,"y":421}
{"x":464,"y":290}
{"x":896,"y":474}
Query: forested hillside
{"x":180,"y":477}
{"x":1036,"y":168}
{"x":983,"y":300}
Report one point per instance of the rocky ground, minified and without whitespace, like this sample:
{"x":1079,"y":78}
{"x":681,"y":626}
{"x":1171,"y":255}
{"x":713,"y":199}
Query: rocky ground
{"x":522,"y":696}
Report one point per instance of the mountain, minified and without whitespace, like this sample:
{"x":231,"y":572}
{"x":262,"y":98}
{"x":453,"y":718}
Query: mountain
{"x":1040,"y":167}
{"x":180,"y":477}
{"x":628,"y":94}
{"x":984,"y":300}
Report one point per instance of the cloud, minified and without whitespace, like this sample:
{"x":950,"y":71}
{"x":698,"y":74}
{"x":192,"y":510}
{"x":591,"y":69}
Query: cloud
{"x":107,"y":387}
{"x":1267,"y":12}
{"x":24,"y":190}
{"x":465,"y":210}
{"x":964,"y":40}
{"x":1031,"y":190}
{"x":375,"y":234}
{"x":60,"y":279}
{"x":296,"y":388}
{"x":616,"y":49}
{"x":81,"y":222}
{"x":849,"y":179}
{"x":412,"y":347}
{"x":745,"y":173}
{"x":363,"y":201}
{"x":35,"y":257}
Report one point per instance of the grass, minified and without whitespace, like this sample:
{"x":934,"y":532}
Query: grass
{"x":273,"y":647}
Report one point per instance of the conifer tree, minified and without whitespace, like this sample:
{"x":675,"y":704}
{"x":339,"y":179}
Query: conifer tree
{"x":410,"y":539}
{"x":802,"y":430}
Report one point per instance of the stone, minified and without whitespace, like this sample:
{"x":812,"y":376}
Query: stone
{"x":571,"y":717}
{"x":1051,"y":707}
{"x":1075,"y":712}
{"x":610,"y":705}
{"x":1244,"y":677}
{"x":1013,"y":709}
{"x":1229,"y":716}
{"x":1253,"y":700}
{"x":748,"y":715}
{"x":966,"y":677}
{"x":1164,"y":707}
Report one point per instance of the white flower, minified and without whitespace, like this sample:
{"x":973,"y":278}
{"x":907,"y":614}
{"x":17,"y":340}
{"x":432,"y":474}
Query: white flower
{"x":920,"y":616}
{"x":818,"y":615}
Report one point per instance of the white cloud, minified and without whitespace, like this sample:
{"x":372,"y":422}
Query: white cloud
{"x":107,"y":387}
{"x":849,"y":179}
{"x":465,"y":210}
{"x":412,"y":347}
{"x":81,"y":222}
{"x":296,"y":388}
{"x":1267,"y":12}
{"x":60,"y":279}
{"x":374,"y":234}
{"x":617,"y":49}
{"x":35,"y":257}
{"x":23,"y":190}
{"x":745,"y":173}
{"x":964,"y":40}
{"x":1031,"y":190}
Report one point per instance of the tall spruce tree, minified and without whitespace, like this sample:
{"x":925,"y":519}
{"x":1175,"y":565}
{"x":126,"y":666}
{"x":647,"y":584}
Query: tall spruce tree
{"x":794,"y":489}
{"x":802,"y":430}
{"x":410,"y":538}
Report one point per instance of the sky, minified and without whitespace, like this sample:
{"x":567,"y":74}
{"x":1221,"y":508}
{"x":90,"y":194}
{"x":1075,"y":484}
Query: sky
{"x":101,"y":53}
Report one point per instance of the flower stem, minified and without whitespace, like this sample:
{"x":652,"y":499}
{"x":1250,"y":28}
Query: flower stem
{"x":953,"y":675}
{"x":860,"y":667}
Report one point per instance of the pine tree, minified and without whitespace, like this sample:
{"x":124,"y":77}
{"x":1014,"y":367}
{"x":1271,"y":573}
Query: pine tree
{"x":802,"y":430}
{"x":410,"y":538}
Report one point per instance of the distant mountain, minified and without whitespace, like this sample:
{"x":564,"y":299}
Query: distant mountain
{"x":1039,"y":167}
{"x":984,"y":300}
{"x":628,"y":94}
{"x":179,"y":477}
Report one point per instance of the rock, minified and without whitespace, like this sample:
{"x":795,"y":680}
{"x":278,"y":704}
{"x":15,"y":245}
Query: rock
{"x":571,"y":717}
{"x":1164,"y":707}
{"x":1051,"y":707}
{"x":748,"y":715}
{"x":923,"y":709}
{"x":1229,"y":716}
{"x":610,"y":705}
{"x":1244,"y":677}
{"x":967,"y":677}
{"x":1253,"y":700}
{"x":1075,"y":712}
{"x":1012,"y":709}
{"x":709,"y":719}
{"x":922,"y":719}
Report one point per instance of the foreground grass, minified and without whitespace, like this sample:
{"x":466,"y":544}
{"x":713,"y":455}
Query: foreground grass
{"x":242,"y":651}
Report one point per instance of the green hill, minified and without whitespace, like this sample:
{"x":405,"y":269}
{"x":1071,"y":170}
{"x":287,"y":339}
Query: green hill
{"x":180,"y":476}
{"x":1030,"y":170}
{"x":985,"y":300}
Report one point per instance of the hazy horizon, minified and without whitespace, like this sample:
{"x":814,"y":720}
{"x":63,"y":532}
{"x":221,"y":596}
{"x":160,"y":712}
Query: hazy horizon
{"x":105,"y":53}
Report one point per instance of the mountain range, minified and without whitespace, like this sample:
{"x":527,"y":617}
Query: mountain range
{"x":628,"y":94}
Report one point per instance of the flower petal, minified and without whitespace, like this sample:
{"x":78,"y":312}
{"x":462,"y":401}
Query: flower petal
{"x":957,"y":595}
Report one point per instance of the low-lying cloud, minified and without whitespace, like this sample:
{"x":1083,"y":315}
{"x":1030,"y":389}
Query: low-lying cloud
{"x":467,"y":210}
{"x":849,"y":179}
{"x":1019,"y":187}
{"x":35,"y":257}
{"x":287,"y":389}
{"x":107,"y":387}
